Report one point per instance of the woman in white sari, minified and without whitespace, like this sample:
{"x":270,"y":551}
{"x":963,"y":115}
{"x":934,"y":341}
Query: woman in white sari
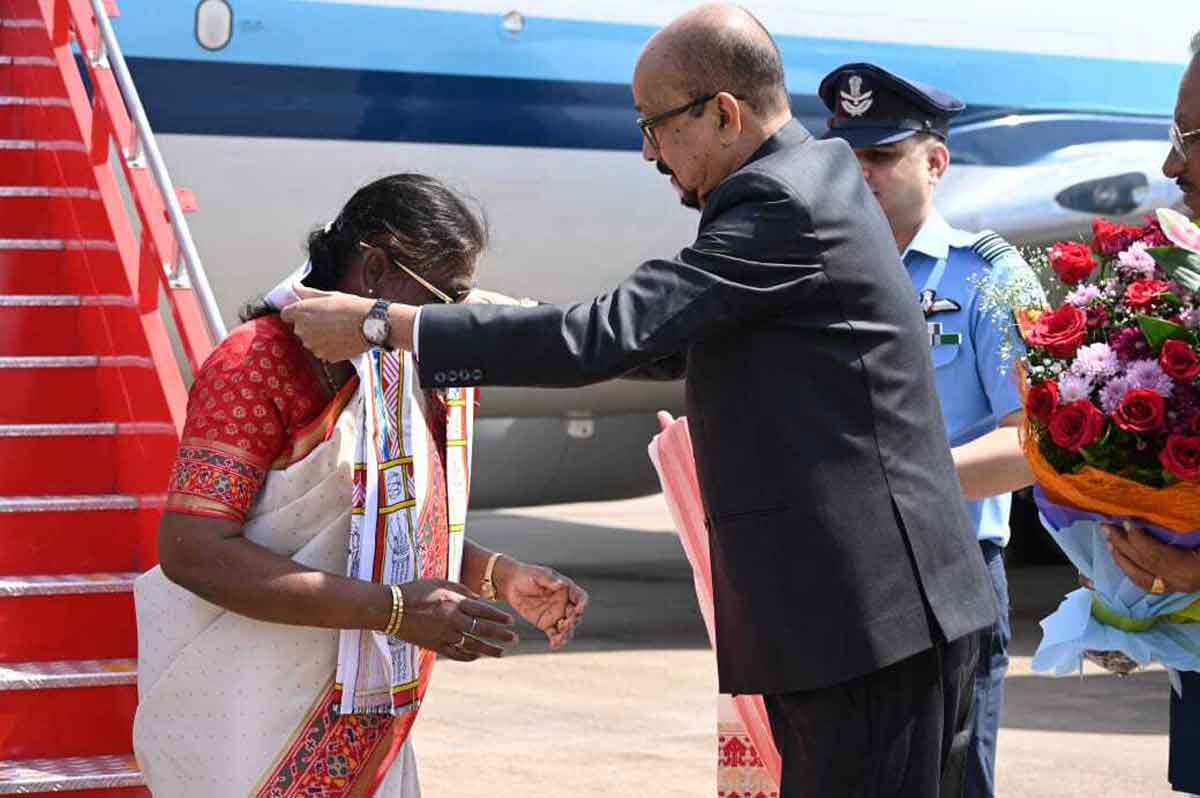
{"x":271,"y":663}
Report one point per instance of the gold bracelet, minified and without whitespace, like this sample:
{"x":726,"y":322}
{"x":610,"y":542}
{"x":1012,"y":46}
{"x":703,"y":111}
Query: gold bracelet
{"x":393,"y":627}
{"x":487,"y":588}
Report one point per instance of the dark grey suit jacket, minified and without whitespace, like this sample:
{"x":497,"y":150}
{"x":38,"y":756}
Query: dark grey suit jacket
{"x":839,"y":539}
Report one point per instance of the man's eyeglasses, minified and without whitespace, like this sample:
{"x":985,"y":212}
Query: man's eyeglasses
{"x":1179,"y":140}
{"x":647,"y":124}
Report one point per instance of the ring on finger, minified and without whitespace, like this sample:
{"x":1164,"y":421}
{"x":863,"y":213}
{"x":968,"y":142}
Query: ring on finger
{"x":474,"y":623}
{"x":1159,"y":587}
{"x":462,"y":641}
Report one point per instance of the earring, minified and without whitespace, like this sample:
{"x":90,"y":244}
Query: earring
{"x":370,"y":292}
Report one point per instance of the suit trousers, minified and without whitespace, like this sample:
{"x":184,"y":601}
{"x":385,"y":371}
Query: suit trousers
{"x":899,"y":732}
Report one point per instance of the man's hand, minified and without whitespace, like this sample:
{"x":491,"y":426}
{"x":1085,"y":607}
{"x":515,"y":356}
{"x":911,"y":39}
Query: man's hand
{"x":329,"y":323}
{"x":545,"y":598}
{"x":1143,"y":558}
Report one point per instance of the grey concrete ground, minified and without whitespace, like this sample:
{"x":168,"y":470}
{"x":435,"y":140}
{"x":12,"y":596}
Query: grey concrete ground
{"x":629,"y":710}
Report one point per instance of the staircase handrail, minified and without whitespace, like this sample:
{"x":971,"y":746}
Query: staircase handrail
{"x":144,"y":139}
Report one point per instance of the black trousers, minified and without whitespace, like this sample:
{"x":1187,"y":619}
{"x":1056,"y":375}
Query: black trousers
{"x":900,"y":732}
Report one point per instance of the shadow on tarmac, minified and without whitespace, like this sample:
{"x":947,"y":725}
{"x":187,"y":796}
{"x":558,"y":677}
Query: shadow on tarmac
{"x":643,"y":598}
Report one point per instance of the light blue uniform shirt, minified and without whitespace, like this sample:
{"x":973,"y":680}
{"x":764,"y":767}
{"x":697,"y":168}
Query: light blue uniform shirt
{"x":974,"y":394}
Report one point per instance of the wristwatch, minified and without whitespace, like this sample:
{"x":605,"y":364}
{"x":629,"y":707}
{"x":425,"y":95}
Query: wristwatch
{"x":376,"y":328}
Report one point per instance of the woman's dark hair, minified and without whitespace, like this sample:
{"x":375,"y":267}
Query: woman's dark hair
{"x":416,"y":219}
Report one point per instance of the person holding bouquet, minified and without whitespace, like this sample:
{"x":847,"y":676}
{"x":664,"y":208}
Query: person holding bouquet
{"x":898,"y":130}
{"x":1152,"y":565}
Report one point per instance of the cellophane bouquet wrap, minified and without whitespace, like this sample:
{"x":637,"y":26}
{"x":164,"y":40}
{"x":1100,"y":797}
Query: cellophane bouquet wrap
{"x":1112,"y":430}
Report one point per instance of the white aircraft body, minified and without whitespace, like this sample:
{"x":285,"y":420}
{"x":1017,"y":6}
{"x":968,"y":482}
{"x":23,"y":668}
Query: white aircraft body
{"x":274,"y":111}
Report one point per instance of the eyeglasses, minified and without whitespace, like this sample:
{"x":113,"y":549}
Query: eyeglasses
{"x":647,"y":124}
{"x":433,"y":289}
{"x":1179,"y":140}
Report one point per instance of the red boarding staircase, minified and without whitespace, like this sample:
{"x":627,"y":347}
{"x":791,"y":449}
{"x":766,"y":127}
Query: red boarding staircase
{"x":91,"y":392}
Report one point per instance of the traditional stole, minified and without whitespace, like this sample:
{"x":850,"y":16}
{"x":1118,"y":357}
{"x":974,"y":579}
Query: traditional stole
{"x":407,"y":520}
{"x":748,"y":763}
{"x":411,"y":484}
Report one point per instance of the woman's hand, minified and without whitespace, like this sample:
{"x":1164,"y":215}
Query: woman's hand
{"x":448,"y":618}
{"x":545,"y":598}
{"x":1144,"y":559}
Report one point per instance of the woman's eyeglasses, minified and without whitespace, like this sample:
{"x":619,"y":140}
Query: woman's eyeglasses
{"x":430,"y":287}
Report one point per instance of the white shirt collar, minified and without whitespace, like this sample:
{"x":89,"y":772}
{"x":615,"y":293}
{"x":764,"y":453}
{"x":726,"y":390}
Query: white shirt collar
{"x":933,"y":239}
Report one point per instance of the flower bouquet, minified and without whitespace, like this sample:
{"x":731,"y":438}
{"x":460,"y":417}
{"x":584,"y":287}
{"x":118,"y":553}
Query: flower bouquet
{"x":1112,"y":432}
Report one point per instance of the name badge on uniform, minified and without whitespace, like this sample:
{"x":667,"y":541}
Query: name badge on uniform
{"x":939,"y":338}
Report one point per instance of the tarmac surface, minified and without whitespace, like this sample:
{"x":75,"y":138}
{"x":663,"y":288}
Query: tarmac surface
{"x":629,"y":710}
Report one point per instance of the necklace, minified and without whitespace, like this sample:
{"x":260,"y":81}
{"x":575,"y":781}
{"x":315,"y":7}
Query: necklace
{"x":329,"y":381}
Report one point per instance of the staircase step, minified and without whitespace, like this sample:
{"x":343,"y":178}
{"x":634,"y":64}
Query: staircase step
{"x":67,"y":674}
{"x":57,"y":459}
{"x":41,"y":617}
{"x":22,"y":32}
{"x":69,"y":387}
{"x":35,"y":120}
{"x":30,"y":215}
{"x":64,"y":324}
{"x":82,"y":707}
{"x":117,"y":775}
{"x":61,"y":504}
{"x":44,"y":163}
{"x":57,"y":534}
{"x":57,"y":244}
{"x":58,"y":271}
{"x":66,"y":584}
{"x":32,"y":456}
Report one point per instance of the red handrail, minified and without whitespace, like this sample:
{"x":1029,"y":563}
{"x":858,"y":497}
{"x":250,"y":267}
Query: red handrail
{"x":103,"y":118}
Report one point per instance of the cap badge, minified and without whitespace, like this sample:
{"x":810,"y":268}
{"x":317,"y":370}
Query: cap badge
{"x":857,"y":102}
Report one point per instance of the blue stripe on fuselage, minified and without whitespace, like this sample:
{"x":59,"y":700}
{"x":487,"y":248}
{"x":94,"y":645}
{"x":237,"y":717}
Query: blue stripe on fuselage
{"x":188,"y":97}
{"x":365,"y":39}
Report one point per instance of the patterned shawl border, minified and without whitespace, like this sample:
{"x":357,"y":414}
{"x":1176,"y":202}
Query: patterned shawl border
{"x":329,"y":755}
{"x":317,"y":431}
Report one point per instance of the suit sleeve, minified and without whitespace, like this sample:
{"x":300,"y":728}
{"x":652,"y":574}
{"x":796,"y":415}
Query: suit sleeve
{"x":755,"y":257}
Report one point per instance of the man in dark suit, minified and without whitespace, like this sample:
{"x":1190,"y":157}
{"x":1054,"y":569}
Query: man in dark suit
{"x":847,"y":579}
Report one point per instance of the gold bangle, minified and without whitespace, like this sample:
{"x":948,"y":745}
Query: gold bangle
{"x":487,"y":588}
{"x":393,"y":627}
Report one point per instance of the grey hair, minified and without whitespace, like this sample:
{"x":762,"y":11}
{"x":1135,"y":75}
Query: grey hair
{"x":1196,"y":44}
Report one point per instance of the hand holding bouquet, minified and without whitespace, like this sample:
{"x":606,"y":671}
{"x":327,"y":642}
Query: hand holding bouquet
{"x":1113,"y":431}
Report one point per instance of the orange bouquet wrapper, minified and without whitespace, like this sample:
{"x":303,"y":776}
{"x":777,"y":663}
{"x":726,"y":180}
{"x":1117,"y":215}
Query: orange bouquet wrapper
{"x":1175,"y":508}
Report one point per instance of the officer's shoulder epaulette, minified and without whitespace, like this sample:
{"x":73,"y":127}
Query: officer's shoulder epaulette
{"x":993,"y":249}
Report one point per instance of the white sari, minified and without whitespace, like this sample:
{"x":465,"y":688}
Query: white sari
{"x":230,"y":706}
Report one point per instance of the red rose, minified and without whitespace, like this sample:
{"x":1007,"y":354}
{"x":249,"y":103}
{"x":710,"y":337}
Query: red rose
{"x":1152,"y":234}
{"x":1179,"y":361}
{"x":1076,"y":425}
{"x":1140,"y":411}
{"x":1071,"y":262}
{"x":1142,"y":292}
{"x":1042,"y":401}
{"x":1112,"y":239}
{"x":1181,"y":456}
{"x":1060,"y":332}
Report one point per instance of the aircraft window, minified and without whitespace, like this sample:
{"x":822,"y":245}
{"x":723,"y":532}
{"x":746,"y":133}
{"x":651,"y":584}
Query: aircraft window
{"x":1016,"y":140}
{"x":214,"y":24}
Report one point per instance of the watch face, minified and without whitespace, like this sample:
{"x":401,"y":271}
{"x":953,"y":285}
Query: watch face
{"x":375,"y":331}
